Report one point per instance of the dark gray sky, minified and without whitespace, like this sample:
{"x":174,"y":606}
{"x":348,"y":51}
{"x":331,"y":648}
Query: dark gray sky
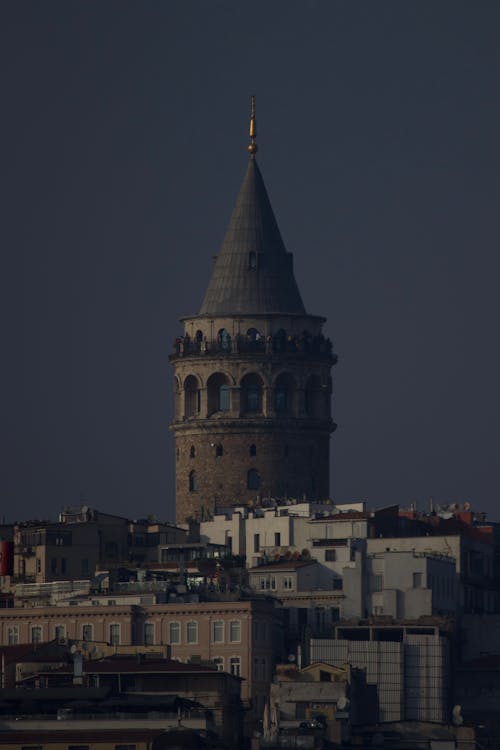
{"x":123,"y":132}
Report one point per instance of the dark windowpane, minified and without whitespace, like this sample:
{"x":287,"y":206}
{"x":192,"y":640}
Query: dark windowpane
{"x":224,"y":398}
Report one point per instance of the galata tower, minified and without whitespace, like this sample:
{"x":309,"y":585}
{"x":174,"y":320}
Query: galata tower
{"x":252,"y":373}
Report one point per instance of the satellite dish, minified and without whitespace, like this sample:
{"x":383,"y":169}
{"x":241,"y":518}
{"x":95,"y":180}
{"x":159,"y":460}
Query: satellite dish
{"x":456,"y":716}
{"x":291,"y":658}
{"x":342,"y":703}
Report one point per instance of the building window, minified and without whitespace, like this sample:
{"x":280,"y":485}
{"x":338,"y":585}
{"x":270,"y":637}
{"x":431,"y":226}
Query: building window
{"x":224,"y":398}
{"x":12,"y":635}
{"x":53,"y":564}
{"x":64,"y":562}
{"x":256,"y":542}
{"x":253,"y":450}
{"x":219,"y":663}
{"x":59,"y":632}
{"x":288,"y":583}
{"x":235,"y":631}
{"x":277,"y":539}
{"x":149,"y":634}
{"x":192,"y":452}
{"x":192,"y":632}
{"x":191,"y":397}
{"x":224,"y":339}
{"x":85,"y":566}
{"x":252,"y":260}
{"x":377,"y":583}
{"x":193,"y":481}
{"x":114,"y":634}
{"x":87,"y":632}
{"x":174,"y":632}
{"x":38,"y":565}
{"x":330,"y":555}
{"x":417,"y":580}
{"x":36,"y":634}
{"x":235,"y":665}
{"x":253,"y":479}
{"x":219,"y":450}
{"x":218,"y":631}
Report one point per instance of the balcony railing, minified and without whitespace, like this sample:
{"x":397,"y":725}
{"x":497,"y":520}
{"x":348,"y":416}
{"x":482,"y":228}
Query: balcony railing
{"x":305,"y":344}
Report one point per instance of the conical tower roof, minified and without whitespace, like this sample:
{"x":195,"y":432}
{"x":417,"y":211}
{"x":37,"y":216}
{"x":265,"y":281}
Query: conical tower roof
{"x":253,"y":272}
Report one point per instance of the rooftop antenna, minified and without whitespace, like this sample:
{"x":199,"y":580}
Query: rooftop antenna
{"x":252,"y":146}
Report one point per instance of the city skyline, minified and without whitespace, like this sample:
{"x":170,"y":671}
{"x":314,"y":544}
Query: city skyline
{"x":126,"y":135}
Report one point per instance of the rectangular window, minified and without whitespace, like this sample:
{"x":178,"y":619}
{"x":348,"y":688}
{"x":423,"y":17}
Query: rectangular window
{"x":149,"y":634}
{"x":87,"y":633}
{"x":85,"y":566}
{"x":219,"y":663}
{"x":53,"y":564}
{"x":174,"y":632}
{"x":330,"y":555}
{"x":235,"y":631}
{"x":287,"y":583}
{"x":59,"y":632}
{"x":64,"y":562}
{"x":277,"y":539}
{"x":114,"y":634}
{"x":13,"y":635}
{"x":235,"y":665}
{"x":256,"y":542}
{"x":192,"y":632}
{"x":218,"y":631}
{"x":377,"y":583}
{"x":38,"y":565}
{"x":417,"y":580}
{"x":36,"y":634}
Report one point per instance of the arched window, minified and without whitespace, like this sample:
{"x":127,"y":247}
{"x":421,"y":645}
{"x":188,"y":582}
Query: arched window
{"x":199,"y":336}
{"x":193,"y":481}
{"x":219,"y":450}
{"x":191,"y":397}
{"x":253,"y":479}
{"x":251,"y":394}
{"x":218,"y":393}
{"x":192,"y":452}
{"x":253,"y":450}
{"x":224,"y":339}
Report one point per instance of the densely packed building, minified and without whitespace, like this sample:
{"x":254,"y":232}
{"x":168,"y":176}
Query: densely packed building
{"x":266,"y":607}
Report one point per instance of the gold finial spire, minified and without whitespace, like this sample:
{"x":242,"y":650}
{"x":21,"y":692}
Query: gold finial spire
{"x":252,"y":146}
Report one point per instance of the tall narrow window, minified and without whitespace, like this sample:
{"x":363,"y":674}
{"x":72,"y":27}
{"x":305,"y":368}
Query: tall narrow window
{"x":218,"y":631}
{"x":251,"y":393}
{"x":114,"y":634}
{"x":252,"y":261}
{"x":174,"y":632}
{"x":87,"y":633}
{"x":224,"y":398}
{"x":192,"y":632}
{"x":256,"y":542}
{"x":219,"y":663}
{"x":235,"y":665}
{"x":192,"y":452}
{"x":193,"y":481}
{"x":149,"y":634}
{"x":36,"y":634}
{"x":235,"y":631}
{"x":13,"y":635}
{"x":219,"y":451}
{"x":253,"y":450}
{"x":253,"y":479}
{"x":59,"y":632}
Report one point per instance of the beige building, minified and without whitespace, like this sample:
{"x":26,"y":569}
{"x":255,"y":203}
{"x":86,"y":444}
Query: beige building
{"x":240,"y":637}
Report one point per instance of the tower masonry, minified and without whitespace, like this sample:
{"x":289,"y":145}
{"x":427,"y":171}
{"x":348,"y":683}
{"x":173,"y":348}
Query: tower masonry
{"x":252,"y":376}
